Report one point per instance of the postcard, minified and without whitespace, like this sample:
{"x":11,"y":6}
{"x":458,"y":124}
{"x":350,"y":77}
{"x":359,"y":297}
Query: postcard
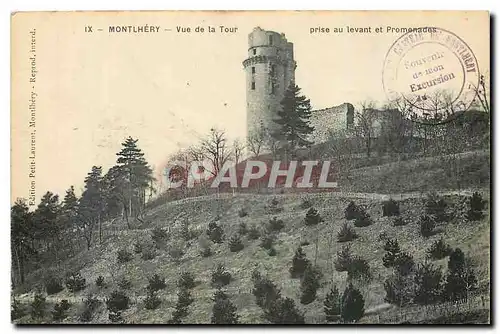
{"x":250,"y":167}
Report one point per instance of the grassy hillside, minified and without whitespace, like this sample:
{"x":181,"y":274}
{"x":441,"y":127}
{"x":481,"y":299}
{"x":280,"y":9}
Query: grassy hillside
{"x":472,"y":238}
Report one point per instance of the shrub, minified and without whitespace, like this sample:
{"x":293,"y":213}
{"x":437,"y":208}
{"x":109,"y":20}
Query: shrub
{"x":16,"y":309}
{"x":148,"y":253}
{"x":253,"y":233}
{"x":186,"y":280}
{"x":242,"y":228}
{"x":332,"y":305}
{"x":427,"y":225}
{"x":305,"y":243}
{"x":220,"y":276}
{"x":160,"y":237}
{"x":137,"y":247}
{"x":283,"y":311}
{"x":460,"y":279}
{"x":156,"y":283}
{"x":299,"y":263}
{"x":305,"y":204}
{"x":436,"y":207}
{"x":439,"y":250}
{"x":264,"y":290}
{"x":235,"y":243}
{"x":428,"y":284}
{"x":390,"y":208}
{"x":176,"y":252}
{"x":184,"y":299}
{"x":272,"y":251}
{"x":53,"y":285}
{"x":399,"y":221}
{"x":404,"y":264}
{"x":273,"y":207}
{"x":38,"y":306}
{"x":90,"y":304}
{"x":206,"y":251}
{"x":100,"y":282}
{"x":393,"y":251}
{"x":267,"y":241}
{"x":152,"y":301}
{"x":242,"y":212}
{"x":363,"y":219}
{"x":346,"y":233}
{"x":223,"y":311}
{"x":399,"y":290}
{"x":75,"y":282}
{"x":309,"y":285}
{"x":353,"y":304}
{"x":344,"y":258}
{"x":275,"y":225}
{"x":59,"y":312}
{"x":117,"y":301}
{"x":124,"y":256}
{"x":115,"y":316}
{"x":358,"y":268}
{"x":476,"y":207}
{"x":215,"y":233}
{"x":124,"y":284}
{"x":351,"y":211}
{"x":312,"y":217}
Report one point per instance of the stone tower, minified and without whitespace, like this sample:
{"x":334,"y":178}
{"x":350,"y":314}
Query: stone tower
{"x":270,"y":68}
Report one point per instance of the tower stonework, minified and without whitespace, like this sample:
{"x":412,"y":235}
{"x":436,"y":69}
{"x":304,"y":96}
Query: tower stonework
{"x":270,"y":68}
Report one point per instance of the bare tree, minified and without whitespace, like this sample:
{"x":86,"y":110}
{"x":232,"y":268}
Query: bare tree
{"x":256,"y":141}
{"x":238,"y":149}
{"x":364,"y":124}
{"x":483,"y":92}
{"x":216,"y":150}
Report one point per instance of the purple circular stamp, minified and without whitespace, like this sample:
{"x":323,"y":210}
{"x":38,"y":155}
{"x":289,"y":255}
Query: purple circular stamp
{"x":433,"y":72}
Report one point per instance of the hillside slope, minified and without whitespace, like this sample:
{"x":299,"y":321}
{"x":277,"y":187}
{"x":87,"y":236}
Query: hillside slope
{"x":472,"y":238}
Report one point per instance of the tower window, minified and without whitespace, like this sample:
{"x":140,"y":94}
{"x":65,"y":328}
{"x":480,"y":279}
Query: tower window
{"x":254,"y":51}
{"x":273,"y":87}
{"x":253,"y":85}
{"x":273,"y":70}
{"x":270,"y":39}
{"x":253,"y":69}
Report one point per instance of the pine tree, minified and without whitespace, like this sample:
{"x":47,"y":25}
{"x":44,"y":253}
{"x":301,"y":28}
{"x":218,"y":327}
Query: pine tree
{"x":293,"y":119}
{"x":309,"y":285}
{"x":264,"y":290}
{"x":427,"y":225}
{"x":139,"y":176}
{"x":332,"y":305}
{"x":476,"y":207}
{"x":346,"y":233}
{"x":38,"y":306}
{"x":282,"y":311}
{"x":91,"y":205}
{"x":461,"y":279}
{"x":312,"y":217}
{"x":299,"y":263}
{"x":351,"y":211}
{"x":235,"y":243}
{"x":353,"y":304}
{"x":59,"y":312}
{"x":223,"y":311}
{"x":21,"y":238}
{"x":215,"y":233}
{"x":428,"y":284}
{"x":184,"y":299}
{"x":439,"y":250}
{"x":344,"y":258}
{"x":399,"y":290}
{"x":393,"y":251}
{"x":47,"y":220}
